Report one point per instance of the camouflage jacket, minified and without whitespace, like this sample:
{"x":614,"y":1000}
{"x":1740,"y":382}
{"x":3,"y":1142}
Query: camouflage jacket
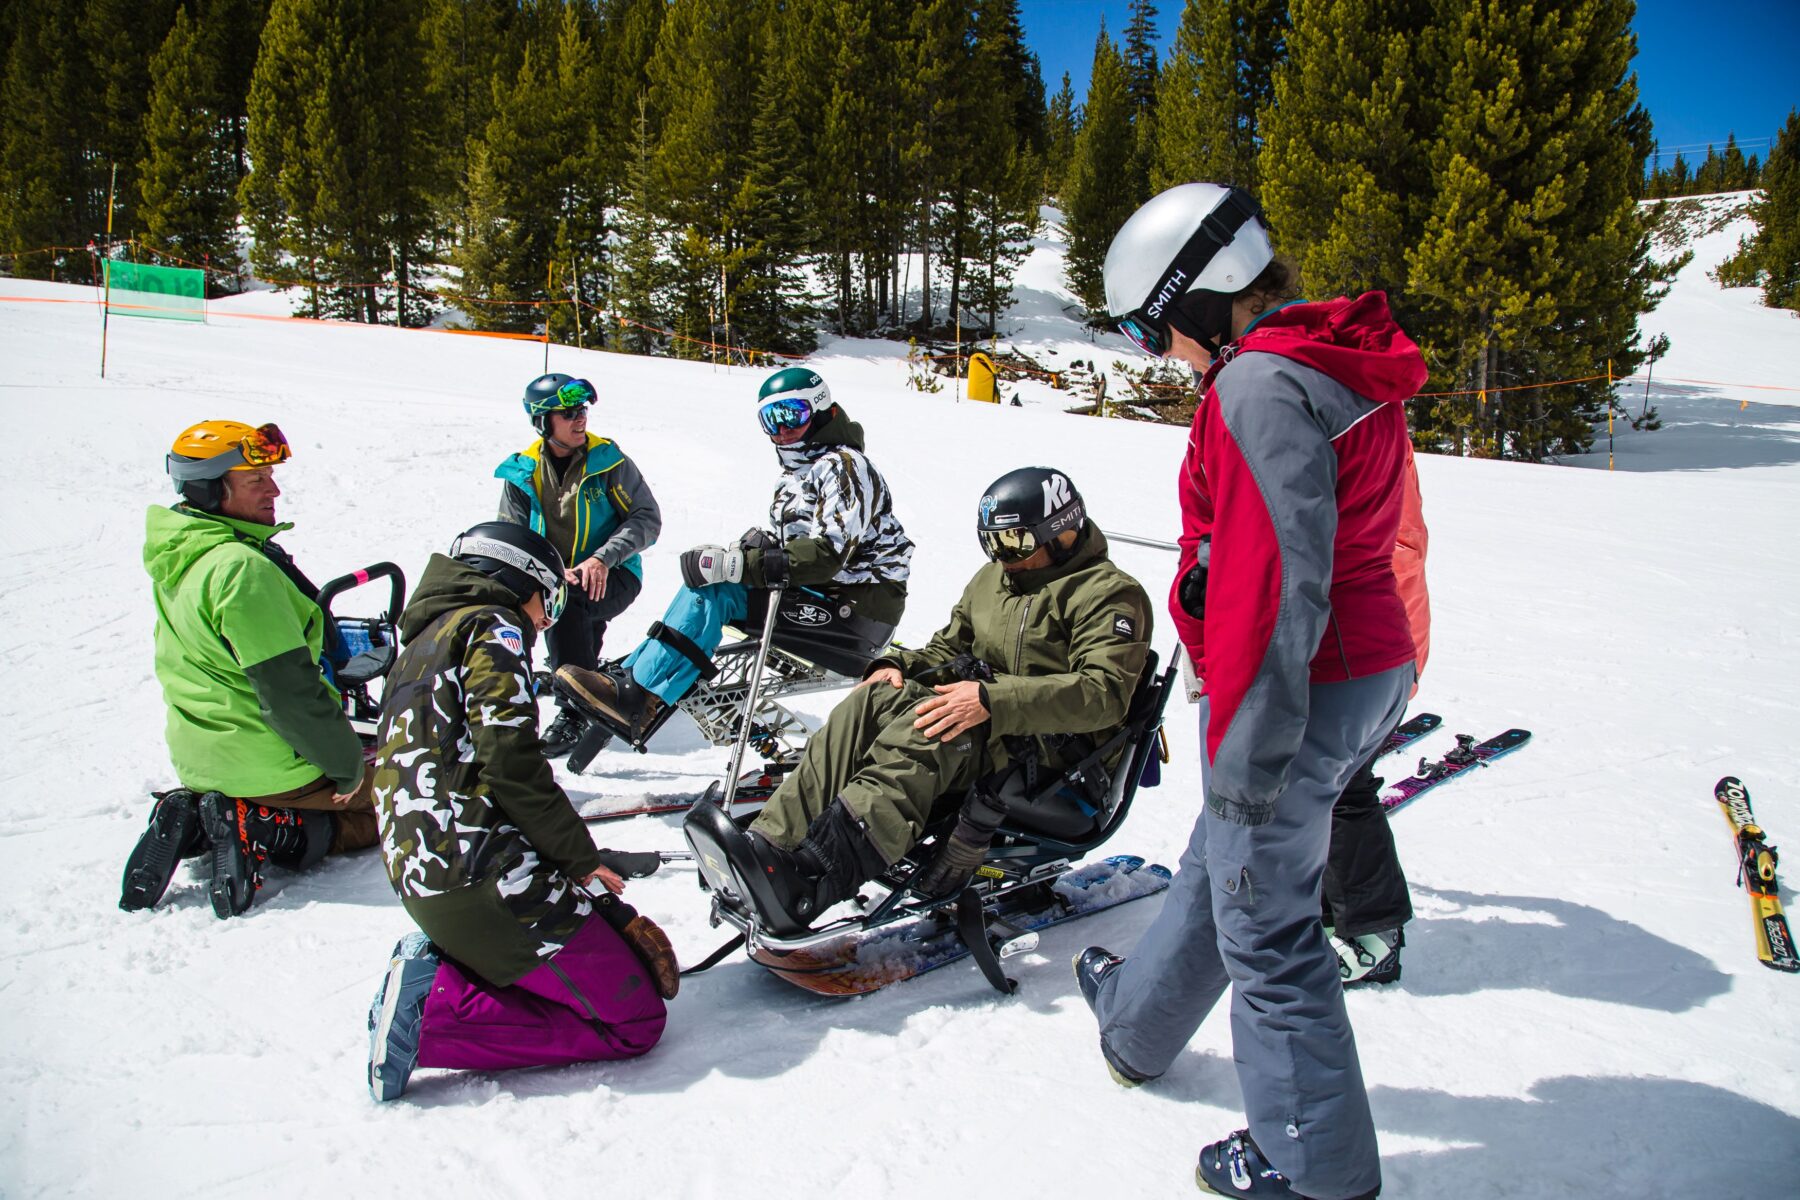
{"x":834,"y":515}
{"x":481,"y":844}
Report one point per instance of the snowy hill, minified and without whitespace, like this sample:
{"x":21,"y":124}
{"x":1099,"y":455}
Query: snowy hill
{"x":1582,"y":1012}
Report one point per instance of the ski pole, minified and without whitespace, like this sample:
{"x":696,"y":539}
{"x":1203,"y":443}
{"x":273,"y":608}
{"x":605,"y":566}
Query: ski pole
{"x":1131,"y":539}
{"x":756,"y":674}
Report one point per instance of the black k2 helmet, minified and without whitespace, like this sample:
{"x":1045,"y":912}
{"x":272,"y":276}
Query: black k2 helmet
{"x":1025,"y":509}
{"x":522,"y":560}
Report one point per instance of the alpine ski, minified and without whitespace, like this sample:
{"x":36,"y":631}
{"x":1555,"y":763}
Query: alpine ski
{"x":1409,"y":731}
{"x":1756,"y":874}
{"x":1468,"y":755}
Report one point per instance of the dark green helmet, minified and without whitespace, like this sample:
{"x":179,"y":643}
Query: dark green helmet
{"x":789,"y":398}
{"x":554,"y":393}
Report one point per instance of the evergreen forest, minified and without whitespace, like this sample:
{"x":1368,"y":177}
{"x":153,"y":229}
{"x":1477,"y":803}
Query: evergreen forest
{"x":678,"y":176}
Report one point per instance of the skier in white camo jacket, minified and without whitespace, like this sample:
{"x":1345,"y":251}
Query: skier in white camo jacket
{"x":836,"y":540}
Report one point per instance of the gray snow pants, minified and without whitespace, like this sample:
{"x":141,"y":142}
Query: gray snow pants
{"x":1244,"y":910}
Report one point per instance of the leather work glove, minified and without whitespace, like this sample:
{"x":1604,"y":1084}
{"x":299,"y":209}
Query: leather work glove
{"x":965,"y":848}
{"x":704,"y":565}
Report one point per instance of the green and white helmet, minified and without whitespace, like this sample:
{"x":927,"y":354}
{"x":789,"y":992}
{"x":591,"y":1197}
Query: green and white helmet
{"x":789,"y":398}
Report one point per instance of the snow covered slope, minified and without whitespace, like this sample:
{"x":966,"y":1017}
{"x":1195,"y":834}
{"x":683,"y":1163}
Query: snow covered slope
{"x":1581,"y":1014}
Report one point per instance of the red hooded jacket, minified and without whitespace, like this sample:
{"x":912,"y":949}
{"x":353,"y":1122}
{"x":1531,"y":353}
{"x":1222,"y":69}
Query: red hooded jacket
{"x":1291,"y":496}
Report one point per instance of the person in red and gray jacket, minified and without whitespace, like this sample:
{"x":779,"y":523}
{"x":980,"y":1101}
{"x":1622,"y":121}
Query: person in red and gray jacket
{"x":1285,"y":600}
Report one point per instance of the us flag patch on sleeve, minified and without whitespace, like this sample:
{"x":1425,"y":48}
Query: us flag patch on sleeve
{"x":510,"y":637}
{"x":1123,"y":627}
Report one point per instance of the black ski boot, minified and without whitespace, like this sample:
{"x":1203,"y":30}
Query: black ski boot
{"x":563,"y":733}
{"x":173,"y":834}
{"x":790,"y":888}
{"x":245,"y":836}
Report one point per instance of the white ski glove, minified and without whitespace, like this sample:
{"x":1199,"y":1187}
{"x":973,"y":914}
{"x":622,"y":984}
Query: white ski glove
{"x":712,"y":564}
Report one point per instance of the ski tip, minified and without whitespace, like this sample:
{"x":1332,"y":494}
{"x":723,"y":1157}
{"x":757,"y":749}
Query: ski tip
{"x":1727,"y":783}
{"x":1160,"y":871}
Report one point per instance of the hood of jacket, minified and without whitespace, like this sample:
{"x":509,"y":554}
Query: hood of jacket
{"x":447,"y":585}
{"x":832,"y":429}
{"x":1355,"y":341}
{"x":177,"y":537}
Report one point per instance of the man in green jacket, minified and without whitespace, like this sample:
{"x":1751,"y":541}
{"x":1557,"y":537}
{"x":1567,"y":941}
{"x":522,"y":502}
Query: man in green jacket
{"x":270,"y":768}
{"x":1038,"y":662}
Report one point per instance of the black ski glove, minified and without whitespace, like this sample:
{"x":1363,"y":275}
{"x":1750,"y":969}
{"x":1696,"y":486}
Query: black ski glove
{"x":765,"y":555}
{"x":631,"y":864}
{"x":965,"y":848}
{"x":1192,"y":592}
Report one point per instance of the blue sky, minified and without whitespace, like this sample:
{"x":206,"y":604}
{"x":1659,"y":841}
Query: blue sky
{"x":1703,"y":71}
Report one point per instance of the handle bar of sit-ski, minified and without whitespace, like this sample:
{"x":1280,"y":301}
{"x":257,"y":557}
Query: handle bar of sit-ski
{"x":756,"y":674}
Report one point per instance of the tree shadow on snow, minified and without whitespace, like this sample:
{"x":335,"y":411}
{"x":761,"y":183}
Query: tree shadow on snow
{"x":1590,"y":1137}
{"x":1580,"y":952}
{"x":1704,"y":429}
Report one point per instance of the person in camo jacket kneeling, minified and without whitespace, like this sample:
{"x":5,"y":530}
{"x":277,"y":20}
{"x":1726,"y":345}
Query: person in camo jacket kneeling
{"x":526,"y":957}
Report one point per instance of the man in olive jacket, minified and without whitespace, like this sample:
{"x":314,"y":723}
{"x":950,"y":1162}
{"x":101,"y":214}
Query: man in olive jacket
{"x":1039,"y":660}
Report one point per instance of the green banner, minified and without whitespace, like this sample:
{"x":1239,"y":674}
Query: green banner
{"x":141,"y":290}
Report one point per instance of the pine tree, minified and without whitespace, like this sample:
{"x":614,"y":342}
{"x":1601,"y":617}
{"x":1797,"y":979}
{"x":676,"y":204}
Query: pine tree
{"x":1344,"y":176}
{"x":1217,"y":82}
{"x":186,"y":182}
{"x":231,"y":33}
{"x":467,"y":52}
{"x":48,"y":196}
{"x":1102,"y":190}
{"x":766,"y":306}
{"x":537,"y":197}
{"x":1532,"y":260}
{"x":119,"y":37}
{"x":701,"y":92}
{"x":936,"y":146}
{"x":640,"y":275}
{"x":1771,"y":256}
{"x":1141,"y":74}
{"x":1061,"y":125}
{"x":344,"y":156}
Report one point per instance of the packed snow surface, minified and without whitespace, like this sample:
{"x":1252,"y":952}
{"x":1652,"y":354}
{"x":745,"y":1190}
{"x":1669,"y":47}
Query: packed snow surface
{"x":1582,"y":1012}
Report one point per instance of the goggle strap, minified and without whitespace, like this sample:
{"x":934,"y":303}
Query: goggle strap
{"x":1216,"y":232}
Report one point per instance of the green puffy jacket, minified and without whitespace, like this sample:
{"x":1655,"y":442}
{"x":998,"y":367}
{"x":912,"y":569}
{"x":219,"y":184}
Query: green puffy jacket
{"x":237,"y":653}
{"x":1067,"y":645}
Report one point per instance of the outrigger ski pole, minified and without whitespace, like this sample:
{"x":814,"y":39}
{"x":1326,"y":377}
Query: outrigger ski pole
{"x":756,"y":674}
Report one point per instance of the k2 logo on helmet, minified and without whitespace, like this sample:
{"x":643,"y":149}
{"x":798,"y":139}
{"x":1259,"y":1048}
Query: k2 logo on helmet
{"x":1056,"y":493}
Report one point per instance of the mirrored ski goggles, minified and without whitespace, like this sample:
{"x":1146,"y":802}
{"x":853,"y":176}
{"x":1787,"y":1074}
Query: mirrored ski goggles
{"x":1144,"y":335}
{"x":788,"y":413}
{"x":263,"y":446}
{"x":556,"y":600}
{"x":577,"y":393}
{"x":1008,"y":545}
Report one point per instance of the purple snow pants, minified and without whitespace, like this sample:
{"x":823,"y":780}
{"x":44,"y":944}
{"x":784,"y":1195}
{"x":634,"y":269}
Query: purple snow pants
{"x":592,"y":1000}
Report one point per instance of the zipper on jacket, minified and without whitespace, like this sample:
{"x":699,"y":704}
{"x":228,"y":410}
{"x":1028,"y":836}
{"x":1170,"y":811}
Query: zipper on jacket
{"x":1019,"y":647}
{"x":1338,"y":631}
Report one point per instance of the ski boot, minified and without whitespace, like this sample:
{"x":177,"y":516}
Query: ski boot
{"x":612,"y":696}
{"x":1091,"y":967}
{"x":1368,"y":958}
{"x":563,"y":733}
{"x":1234,"y":1166}
{"x":244,"y":836}
{"x":397,"y":1014}
{"x":173,"y":834}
